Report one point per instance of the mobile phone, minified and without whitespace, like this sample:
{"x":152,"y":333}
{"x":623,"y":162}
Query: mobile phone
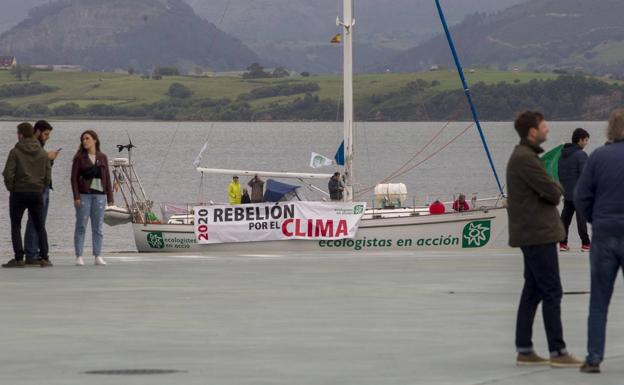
{"x":59,"y":149}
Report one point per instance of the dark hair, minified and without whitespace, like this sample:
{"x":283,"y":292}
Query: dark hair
{"x":25,"y":129}
{"x":336,"y":173}
{"x":43,"y":125}
{"x":527,"y":120}
{"x":578,"y":135}
{"x":81,"y":149}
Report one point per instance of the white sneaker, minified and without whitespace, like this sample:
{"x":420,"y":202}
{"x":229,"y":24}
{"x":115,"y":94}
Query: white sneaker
{"x":99,"y":261}
{"x":79,"y":261}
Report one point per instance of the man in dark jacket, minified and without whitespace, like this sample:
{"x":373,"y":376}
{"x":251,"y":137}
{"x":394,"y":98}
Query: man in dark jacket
{"x":26,"y":173}
{"x":535,"y":227}
{"x":599,"y":196}
{"x":43,"y":129}
{"x":335,"y":187}
{"x":571,"y":165}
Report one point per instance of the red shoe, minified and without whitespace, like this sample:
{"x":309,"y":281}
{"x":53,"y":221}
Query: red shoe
{"x":585,"y":247}
{"x":563,"y":247}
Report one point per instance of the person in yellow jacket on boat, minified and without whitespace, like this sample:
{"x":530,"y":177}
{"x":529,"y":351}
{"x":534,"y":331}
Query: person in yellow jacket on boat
{"x":235,"y":191}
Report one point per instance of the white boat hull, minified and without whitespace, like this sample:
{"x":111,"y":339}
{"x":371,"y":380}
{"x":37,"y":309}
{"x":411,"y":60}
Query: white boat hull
{"x":446,"y":232}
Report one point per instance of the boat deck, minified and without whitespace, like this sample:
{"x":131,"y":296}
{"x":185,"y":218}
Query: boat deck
{"x":430,"y":318}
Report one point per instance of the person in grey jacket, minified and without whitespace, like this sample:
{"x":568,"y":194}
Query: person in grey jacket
{"x":571,"y":165}
{"x":257,"y":189}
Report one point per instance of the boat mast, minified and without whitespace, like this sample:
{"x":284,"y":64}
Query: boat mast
{"x":347,"y":26}
{"x":464,"y":83}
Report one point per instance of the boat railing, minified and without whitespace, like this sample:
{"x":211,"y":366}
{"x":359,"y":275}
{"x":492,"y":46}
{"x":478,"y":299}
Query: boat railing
{"x":476,"y":204}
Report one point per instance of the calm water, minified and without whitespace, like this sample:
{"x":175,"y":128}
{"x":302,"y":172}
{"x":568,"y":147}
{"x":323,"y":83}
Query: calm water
{"x":165,"y":152}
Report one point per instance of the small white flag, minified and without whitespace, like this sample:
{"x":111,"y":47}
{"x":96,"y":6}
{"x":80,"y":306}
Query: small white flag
{"x":318,"y":160}
{"x":197,"y":160}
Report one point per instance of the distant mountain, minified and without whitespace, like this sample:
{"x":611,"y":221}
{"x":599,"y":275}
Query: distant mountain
{"x":296,"y":33}
{"x":572,"y":35}
{"x":117,"y":34}
{"x":14,"y":11}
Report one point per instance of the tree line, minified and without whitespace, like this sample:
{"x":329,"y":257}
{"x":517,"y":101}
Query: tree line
{"x":569,"y":97}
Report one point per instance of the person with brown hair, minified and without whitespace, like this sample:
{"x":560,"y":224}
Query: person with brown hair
{"x":92,"y":188}
{"x":535,"y":227}
{"x":26,"y":173}
{"x":43,"y":129}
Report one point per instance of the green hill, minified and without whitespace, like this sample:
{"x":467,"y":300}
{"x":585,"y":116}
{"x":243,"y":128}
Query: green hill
{"x":387,"y":97}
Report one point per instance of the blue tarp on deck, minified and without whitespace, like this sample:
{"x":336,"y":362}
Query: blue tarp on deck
{"x":278,"y":191}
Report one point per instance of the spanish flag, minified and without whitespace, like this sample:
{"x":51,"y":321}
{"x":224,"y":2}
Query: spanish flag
{"x":336,"y":39}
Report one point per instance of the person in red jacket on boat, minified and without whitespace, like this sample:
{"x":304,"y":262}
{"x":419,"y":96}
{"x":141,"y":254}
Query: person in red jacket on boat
{"x":460,"y":204}
{"x":436,"y":208}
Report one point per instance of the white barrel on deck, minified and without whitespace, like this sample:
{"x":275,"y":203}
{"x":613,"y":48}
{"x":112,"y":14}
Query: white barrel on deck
{"x":390,"y":194}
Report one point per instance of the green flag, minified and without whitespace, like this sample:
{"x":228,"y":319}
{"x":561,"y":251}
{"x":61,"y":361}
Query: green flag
{"x":550,"y":160}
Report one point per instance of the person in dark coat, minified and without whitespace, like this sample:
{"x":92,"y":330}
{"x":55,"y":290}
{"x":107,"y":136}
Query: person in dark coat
{"x":599,"y":196}
{"x":245,"y":199}
{"x":335,"y":187}
{"x":535,"y":227}
{"x":571,"y":165}
{"x":43,"y":130}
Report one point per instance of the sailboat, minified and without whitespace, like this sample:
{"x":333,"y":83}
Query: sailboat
{"x":380,"y":230}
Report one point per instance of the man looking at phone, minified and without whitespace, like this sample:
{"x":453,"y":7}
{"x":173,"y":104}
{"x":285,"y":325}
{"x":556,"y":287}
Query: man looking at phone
{"x":43,"y":129}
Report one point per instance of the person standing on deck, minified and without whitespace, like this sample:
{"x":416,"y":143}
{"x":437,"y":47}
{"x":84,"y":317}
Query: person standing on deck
{"x":235,"y":192}
{"x":599,"y":196}
{"x":570,"y":167}
{"x":43,"y":129}
{"x":335,"y":187}
{"x":26,"y":173}
{"x":257,"y":189}
{"x":535,"y":227}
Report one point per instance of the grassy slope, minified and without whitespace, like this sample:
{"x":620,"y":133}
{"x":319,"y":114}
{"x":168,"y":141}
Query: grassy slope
{"x":94,"y":88}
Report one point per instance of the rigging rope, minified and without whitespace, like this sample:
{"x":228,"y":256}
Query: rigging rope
{"x":164,"y":159}
{"x":400,"y":169}
{"x":397,"y":174}
{"x":156,"y":183}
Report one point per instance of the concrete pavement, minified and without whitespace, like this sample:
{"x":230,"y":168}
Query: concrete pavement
{"x":377,"y":319}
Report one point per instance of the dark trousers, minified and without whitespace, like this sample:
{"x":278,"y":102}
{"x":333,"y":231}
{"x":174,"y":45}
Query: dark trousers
{"x":541,"y":284}
{"x":33,"y":202}
{"x":581,"y":223}
{"x":606,"y":259}
{"x":31,"y":240}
